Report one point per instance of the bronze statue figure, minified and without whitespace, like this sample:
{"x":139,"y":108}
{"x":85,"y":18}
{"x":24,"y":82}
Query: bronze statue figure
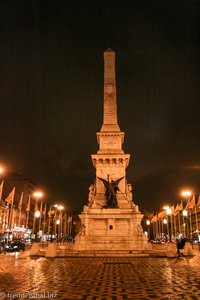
{"x":111,"y":191}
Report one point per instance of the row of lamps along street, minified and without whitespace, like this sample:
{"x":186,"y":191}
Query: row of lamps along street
{"x":52,"y":212}
{"x":37,"y":216}
{"x":168,"y":221}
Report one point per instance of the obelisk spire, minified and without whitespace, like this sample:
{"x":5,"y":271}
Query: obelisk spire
{"x":110,"y":102}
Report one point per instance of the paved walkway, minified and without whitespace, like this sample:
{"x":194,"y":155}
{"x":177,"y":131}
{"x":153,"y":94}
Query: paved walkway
{"x":100,"y":278}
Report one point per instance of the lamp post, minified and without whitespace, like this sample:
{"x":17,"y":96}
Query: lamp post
{"x":148,"y":224}
{"x":185,"y":224}
{"x":60,"y":209}
{"x":165,"y":223}
{"x":187,"y":195}
{"x":169,"y":213}
{"x":57,"y":229}
{"x":37,"y":215}
{"x":37,"y":196}
{"x":52,"y":214}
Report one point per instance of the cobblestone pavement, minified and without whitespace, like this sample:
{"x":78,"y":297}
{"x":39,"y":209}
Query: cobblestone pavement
{"x":100,"y":278}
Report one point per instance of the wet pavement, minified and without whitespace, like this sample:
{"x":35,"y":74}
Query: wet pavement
{"x":99,"y":278}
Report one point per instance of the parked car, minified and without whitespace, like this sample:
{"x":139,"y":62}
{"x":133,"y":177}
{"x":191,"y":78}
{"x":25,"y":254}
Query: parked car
{"x":14,"y":246}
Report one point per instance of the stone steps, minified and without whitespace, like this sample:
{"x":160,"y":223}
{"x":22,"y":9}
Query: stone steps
{"x":100,"y":253}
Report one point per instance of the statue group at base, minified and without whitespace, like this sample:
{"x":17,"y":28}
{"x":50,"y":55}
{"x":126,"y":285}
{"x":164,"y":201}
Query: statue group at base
{"x":111,"y":188}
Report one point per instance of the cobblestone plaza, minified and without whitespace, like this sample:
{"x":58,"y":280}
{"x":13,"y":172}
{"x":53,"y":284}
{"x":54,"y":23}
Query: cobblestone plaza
{"x":99,"y":278}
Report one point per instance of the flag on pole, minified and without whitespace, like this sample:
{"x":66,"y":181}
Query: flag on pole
{"x":176,"y":210}
{"x":41,"y":207}
{"x":11,"y":196}
{"x":20,"y":202}
{"x":36,"y":206}
{"x":49,"y":213}
{"x":180,"y":208}
{"x":154,"y":219}
{"x":45,"y":210}
{"x":188,"y":204}
{"x":161,"y":215}
{"x":60,"y":215}
{"x":28,"y":204}
{"x":192,"y":202}
{"x":69,"y":219}
{"x":1,"y":189}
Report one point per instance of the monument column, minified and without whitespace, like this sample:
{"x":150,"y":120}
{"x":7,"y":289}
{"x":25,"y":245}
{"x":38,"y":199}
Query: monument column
{"x":110,"y":160}
{"x":110,"y":220}
{"x":110,"y":104}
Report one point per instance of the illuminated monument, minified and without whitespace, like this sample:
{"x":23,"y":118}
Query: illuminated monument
{"x":110,"y":220}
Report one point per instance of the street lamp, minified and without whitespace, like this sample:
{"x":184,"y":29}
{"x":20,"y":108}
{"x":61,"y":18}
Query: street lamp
{"x":1,"y":170}
{"x":187,"y":195}
{"x":37,"y":195}
{"x":164,"y":222}
{"x":37,"y":215}
{"x":148,"y":224}
{"x":185,"y":215}
{"x":60,"y":209}
{"x":57,"y":227}
{"x":168,"y":213}
{"x":52,"y":214}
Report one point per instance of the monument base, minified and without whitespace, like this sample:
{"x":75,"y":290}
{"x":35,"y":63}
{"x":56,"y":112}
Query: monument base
{"x":111,"y":229}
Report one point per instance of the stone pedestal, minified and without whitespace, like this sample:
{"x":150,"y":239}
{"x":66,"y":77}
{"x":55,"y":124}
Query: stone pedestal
{"x":188,"y":251}
{"x":35,"y":249}
{"x":171,"y":250}
{"x":51,"y":250}
{"x":111,"y":229}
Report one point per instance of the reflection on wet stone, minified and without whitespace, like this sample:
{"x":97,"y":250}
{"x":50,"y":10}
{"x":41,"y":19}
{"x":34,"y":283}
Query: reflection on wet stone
{"x":103,"y":278}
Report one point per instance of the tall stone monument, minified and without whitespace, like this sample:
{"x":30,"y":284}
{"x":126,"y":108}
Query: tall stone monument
{"x":110,"y":220}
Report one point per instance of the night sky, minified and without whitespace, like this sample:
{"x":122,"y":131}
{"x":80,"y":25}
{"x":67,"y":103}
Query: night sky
{"x":51,"y":94}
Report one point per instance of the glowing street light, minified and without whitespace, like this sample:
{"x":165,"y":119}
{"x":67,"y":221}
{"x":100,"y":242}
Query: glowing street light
{"x":168,"y":213}
{"x":148,"y":223}
{"x":1,"y":170}
{"x":57,"y":231}
{"x":186,"y":194}
{"x":163,"y":226}
{"x":52,"y":214}
{"x":185,"y":224}
{"x":58,"y":222}
{"x":60,"y":207}
{"x":37,"y":216}
{"x":185,"y":213}
{"x":38,"y":194}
